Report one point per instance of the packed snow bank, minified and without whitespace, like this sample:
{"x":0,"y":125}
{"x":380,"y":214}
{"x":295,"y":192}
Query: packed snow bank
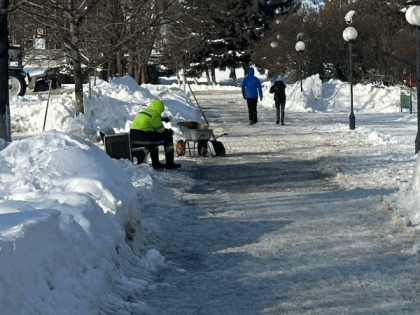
{"x":69,"y":216}
{"x":367,"y":136}
{"x":334,"y":96}
{"x":113,"y":104}
{"x":407,"y":200}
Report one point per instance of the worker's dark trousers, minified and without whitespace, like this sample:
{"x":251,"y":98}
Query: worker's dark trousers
{"x":252,"y":109}
{"x":141,"y":135}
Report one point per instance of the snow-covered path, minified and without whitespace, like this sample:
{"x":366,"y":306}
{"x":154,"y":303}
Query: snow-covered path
{"x":291,"y":221}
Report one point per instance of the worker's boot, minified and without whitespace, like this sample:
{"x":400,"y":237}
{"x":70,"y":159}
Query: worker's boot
{"x":170,"y":165}
{"x":154,"y":154}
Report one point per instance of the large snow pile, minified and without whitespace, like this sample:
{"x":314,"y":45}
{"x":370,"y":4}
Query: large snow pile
{"x":334,"y":96}
{"x":407,"y":200}
{"x":71,"y":231}
{"x":69,"y":215}
{"x":113,"y":104}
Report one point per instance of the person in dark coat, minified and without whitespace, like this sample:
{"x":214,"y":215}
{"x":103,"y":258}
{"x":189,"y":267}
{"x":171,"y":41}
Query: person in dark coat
{"x":251,"y":86}
{"x":279,"y":90}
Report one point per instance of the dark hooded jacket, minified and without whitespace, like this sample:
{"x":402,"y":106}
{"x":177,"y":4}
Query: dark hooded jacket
{"x":279,"y":90}
{"x":251,"y":86}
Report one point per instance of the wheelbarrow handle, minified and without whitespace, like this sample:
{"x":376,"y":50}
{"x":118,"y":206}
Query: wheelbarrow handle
{"x":214,"y":137}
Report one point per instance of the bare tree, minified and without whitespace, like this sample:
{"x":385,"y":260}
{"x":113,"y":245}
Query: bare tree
{"x":94,"y":32}
{"x":67,"y":17}
{"x":148,"y":26}
{"x":379,"y":25}
{"x":127,"y":31}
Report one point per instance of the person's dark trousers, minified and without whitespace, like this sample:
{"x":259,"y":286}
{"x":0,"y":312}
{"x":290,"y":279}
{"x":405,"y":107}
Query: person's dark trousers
{"x":252,"y":109}
{"x":280,"y":110}
{"x":141,"y":135}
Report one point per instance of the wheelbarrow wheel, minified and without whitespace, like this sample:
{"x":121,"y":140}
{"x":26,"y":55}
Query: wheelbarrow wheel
{"x":202,"y":148}
{"x":180,"y":148}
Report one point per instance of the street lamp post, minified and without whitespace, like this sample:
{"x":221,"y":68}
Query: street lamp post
{"x":413,"y":17}
{"x":300,"y":47}
{"x":350,"y":34}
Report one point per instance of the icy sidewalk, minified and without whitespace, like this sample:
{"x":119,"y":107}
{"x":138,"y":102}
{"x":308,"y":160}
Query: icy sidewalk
{"x":292,"y":221}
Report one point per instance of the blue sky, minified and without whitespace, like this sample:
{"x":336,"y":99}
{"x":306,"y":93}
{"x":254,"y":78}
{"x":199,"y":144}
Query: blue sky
{"x":313,"y":3}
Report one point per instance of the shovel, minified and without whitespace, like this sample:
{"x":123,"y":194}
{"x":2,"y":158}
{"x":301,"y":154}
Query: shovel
{"x":219,"y":148}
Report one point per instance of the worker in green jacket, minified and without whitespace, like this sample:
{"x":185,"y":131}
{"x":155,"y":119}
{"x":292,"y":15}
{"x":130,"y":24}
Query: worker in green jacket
{"x":148,"y":126}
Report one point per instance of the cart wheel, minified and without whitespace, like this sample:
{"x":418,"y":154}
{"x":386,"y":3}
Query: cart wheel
{"x":180,"y":148}
{"x":202,"y":148}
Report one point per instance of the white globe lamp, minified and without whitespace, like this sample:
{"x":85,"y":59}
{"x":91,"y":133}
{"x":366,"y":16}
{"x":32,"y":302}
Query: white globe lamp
{"x":300,"y":46}
{"x":350,"y":33}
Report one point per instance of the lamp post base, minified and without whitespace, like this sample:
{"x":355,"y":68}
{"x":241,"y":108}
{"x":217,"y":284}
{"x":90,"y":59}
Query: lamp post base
{"x":352,"y":121}
{"x":417,"y":142}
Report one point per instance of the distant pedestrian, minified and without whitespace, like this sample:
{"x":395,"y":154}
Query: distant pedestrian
{"x":251,"y":86}
{"x":279,"y":90}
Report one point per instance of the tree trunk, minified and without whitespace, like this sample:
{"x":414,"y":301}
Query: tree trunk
{"x":233,"y":75}
{"x":5,"y":132}
{"x":143,"y":73}
{"x":105,"y":72}
{"x":120,"y":68}
{"x":137,"y":73}
{"x":177,"y":76}
{"x":130,"y":68}
{"x":109,"y":71}
{"x":208,"y":76}
{"x":78,"y":81}
{"x":213,"y":75}
{"x":77,"y":67}
{"x":145,"y":58}
{"x":185,"y":78}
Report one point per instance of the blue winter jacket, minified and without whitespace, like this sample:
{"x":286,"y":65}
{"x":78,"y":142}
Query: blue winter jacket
{"x":251,"y":86}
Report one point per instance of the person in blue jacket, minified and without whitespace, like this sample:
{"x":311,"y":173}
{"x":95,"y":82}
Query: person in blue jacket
{"x":251,"y":86}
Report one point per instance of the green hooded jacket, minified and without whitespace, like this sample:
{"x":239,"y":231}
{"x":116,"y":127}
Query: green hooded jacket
{"x":149,"y":119}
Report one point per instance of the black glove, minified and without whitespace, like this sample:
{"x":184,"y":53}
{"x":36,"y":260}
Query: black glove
{"x":166,"y":119}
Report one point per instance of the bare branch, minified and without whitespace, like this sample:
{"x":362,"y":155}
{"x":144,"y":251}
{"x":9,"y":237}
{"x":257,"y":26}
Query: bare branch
{"x":13,"y":7}
{"x":82,"y":5}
